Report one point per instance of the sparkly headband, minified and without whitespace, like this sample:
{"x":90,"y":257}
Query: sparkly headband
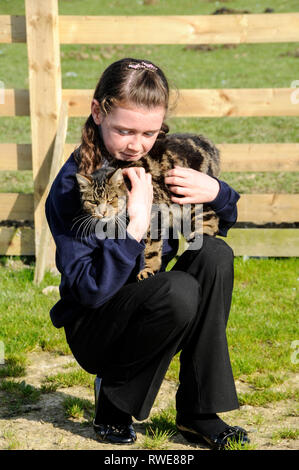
{"x":143,"y":65}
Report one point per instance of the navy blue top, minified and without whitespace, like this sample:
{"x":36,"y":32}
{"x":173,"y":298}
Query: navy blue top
{"x":92,"y":269}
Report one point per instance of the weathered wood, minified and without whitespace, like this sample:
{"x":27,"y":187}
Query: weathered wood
{"x":187,"y":29}
{"x":57,"y":160}
{"x":45,"y":97}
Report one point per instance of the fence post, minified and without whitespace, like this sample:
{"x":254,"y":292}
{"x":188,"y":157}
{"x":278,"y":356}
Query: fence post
{"x":45,"y":100}
{"x":57,"y":160}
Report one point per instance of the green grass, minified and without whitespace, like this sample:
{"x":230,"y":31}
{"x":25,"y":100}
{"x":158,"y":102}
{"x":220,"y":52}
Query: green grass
{"x":78,"y":408}
{"x":221,"y":66}
{"x":261,"y":328}
{"x":160,"y":7}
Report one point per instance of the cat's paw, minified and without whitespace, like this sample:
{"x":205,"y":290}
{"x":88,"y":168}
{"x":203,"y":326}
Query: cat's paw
{"x":144,"y":274}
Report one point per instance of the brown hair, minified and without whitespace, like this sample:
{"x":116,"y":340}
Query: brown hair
{"x":126,"y":81}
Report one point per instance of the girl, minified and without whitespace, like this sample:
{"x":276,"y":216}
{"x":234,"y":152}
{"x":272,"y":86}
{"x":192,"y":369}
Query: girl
{"x":127,"y":332}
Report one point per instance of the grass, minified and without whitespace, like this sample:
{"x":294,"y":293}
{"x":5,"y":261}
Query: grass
{"x":219,"y":66}
{"x":261,"y":329}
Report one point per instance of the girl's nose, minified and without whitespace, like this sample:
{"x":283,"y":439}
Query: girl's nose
{"x":135,"y":144}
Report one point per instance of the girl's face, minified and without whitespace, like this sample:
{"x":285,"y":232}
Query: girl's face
{"x":129,"y":132}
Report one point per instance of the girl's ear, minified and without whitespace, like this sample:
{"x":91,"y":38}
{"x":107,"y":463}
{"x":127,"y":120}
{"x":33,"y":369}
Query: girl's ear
{"x":96,"y":111}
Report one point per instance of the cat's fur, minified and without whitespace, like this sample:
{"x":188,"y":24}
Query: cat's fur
{"x":101,"y":190}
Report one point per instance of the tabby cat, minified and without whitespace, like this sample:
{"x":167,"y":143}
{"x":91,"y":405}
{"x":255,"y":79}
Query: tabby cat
{"x":102,"y":191}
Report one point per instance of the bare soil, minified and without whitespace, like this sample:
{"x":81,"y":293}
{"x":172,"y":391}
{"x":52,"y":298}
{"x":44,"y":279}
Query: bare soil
{"x":44,"y":425}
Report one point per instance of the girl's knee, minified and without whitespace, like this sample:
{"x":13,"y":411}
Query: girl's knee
{"x":183,"y":292}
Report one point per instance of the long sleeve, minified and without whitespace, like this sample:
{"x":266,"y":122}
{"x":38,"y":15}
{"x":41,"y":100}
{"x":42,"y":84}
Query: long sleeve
{"x":225,"y":206}
{"x":92,"y":269}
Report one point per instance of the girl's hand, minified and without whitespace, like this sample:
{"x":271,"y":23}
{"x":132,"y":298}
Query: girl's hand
{"x":140,"y":200}
{"x":191,"y":186}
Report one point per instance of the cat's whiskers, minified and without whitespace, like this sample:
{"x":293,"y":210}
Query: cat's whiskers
{"x":89,"y":226}
{"x":86,"y":222}
{"x":79,"y":217}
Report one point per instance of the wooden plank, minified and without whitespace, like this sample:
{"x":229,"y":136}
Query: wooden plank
{"x":191,"y":103}
{"x":15,"y":157}
{"x":255,"y":208}
{"x":42,"y":253}
{"x":17,"y":241}
{"x":264,"y":208}
{"x":12,"y":28}
{"x":259,"y":157}
{"x":14,"y":206}
{"x":250,"y":242}
{"x":263,"y":242}
{"x":234,"y":157}
{"x":209,"y":102}
{"x":172,"y":29}
{"x":16,"y":103}
{"x":236,"y":102}
{"x":200,"y":29}
{"x":45,"y":96}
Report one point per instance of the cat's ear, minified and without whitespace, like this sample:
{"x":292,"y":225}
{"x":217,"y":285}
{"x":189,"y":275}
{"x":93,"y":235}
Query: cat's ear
{"x":117,"y":177}
{"x":83,"y":181}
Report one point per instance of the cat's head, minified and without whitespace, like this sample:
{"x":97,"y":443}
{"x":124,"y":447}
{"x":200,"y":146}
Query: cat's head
{"x":103,"y":193}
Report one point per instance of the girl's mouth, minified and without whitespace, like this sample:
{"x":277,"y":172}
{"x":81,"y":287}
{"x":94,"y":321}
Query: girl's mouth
{"x":131,"y":157}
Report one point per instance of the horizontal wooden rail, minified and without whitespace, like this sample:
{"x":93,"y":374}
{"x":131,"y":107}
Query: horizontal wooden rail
{"x":255,"y":208}
{"x":264,"y":242}
{"x":234,"y":102}
{"x":250,"y":242}
{"x":199,"y":29}
{"x":234,"y":157}
{"x":16,"y":206}
{"x":17,"y":241}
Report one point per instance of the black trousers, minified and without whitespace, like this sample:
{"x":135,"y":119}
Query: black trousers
{"x":131,"y":339}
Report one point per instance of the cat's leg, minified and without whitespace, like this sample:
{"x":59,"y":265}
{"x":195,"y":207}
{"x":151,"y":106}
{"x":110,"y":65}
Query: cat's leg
{"x":152,"y":258}
{"x":203,"y":220}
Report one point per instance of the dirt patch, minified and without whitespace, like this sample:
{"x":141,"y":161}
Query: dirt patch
{"x":44,"y":425}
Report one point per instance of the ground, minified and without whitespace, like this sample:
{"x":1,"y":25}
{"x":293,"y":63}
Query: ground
{"x":44,"y":425}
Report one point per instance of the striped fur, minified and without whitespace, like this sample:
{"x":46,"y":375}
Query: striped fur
{"x":187,"y":150}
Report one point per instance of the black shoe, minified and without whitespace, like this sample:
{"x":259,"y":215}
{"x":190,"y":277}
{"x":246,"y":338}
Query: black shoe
{"x":217,"y":441}
{"x":115,"y":433}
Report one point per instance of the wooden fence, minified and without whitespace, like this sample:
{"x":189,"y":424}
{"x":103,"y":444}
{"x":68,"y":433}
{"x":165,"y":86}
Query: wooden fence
{"x":44,"y":30}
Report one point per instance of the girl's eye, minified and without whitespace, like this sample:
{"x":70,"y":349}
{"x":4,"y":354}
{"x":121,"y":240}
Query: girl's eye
{"x":149,"y":134}
{"x":123,"y":132}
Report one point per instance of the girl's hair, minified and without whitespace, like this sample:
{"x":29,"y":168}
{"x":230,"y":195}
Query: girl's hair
{"x":135,"y":81}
